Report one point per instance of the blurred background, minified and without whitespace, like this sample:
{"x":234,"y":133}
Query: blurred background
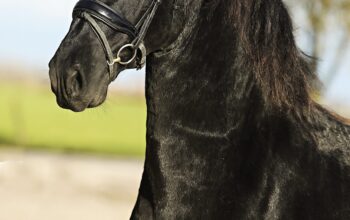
{"x":55,"y":164}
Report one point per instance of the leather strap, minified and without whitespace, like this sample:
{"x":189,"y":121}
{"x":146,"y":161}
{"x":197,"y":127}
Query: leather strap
{"x":95,"y":9}
{"x":146,"y":22}
{"x":107,"y":15}
{"x":103,"y":39}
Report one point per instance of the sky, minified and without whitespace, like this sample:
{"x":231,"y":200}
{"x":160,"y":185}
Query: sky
{"x":31,"y":31}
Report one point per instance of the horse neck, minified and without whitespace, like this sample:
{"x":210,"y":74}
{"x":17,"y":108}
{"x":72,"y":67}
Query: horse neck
{"x":200,"y":82}
{"x":233,"y":70}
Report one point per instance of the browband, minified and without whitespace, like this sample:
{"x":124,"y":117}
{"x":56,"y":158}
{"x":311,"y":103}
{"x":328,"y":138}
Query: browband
{"x":106,"y":14}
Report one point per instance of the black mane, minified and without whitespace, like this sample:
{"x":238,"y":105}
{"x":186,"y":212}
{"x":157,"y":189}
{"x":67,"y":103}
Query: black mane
{"x":266,"y":38}
{"x":260,"y":32}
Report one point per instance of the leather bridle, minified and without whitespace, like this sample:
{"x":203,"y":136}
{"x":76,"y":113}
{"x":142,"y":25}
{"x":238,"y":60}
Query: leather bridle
{"x":92,"y":10}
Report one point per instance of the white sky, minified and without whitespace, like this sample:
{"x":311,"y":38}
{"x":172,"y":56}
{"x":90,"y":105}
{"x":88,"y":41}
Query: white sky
{"x":31,"y":31}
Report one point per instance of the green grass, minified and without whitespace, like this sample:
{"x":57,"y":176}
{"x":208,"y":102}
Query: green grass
{"x":30,"y":118}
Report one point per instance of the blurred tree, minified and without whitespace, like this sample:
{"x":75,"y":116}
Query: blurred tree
{"x":322,"y":17}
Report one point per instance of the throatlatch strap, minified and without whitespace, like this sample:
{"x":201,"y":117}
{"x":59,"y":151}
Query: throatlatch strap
{"x":144,"y":28}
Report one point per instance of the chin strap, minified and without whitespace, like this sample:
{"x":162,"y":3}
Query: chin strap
{"x":93,"y":9}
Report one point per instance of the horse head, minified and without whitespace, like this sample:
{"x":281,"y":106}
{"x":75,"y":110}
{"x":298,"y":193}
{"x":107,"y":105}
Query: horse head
{"x":105,"y":38}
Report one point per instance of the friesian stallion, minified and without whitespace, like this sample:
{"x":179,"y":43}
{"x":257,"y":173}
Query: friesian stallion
{"x":232,"y":132}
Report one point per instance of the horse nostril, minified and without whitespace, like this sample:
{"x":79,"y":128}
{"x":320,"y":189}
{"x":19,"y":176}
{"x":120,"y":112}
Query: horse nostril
{"x":74,"y":83}
{"x":78,"y":85}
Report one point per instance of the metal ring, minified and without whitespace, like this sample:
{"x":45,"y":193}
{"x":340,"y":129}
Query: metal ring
{"x":119,"y":60}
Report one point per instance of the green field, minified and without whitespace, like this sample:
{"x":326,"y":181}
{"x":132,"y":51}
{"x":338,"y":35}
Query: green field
{"x":30,"y":118}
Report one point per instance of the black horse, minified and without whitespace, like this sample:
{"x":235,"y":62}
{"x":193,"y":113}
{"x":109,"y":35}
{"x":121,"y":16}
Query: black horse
{"x":232,"y":132}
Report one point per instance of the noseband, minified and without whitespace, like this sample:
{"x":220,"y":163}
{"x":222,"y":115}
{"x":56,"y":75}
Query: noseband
{"x":92,"y":10}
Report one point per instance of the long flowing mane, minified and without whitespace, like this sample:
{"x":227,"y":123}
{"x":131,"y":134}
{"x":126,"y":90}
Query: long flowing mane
{"x":268,"y":45}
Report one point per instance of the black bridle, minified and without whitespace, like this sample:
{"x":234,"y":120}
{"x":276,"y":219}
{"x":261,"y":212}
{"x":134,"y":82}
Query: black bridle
{"x":94,"y":9}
